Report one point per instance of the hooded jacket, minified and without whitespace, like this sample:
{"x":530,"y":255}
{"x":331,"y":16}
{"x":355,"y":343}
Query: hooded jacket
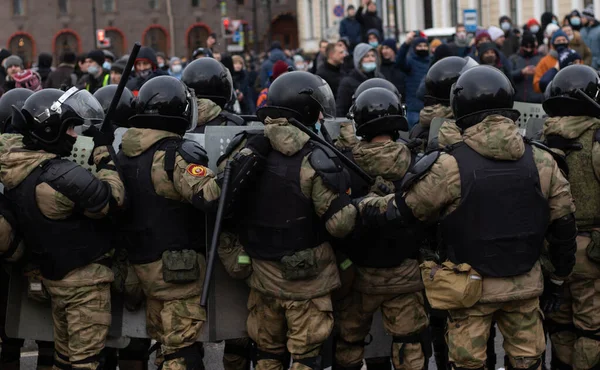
{"x":350,"y":83}
{"x":134,"y":84}
{"x":524,"y":84}
{"x":502,"y":63}
{"x":581,"y":48}
{"x":44,"y":66}
{"x":368,"y":21}
{"x":591,"y":37}
{"x":351,"y":28}
{"x":267,"y":66}
{"x":416,"y":68}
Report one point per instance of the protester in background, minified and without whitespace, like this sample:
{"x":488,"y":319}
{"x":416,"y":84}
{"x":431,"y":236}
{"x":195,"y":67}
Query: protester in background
{"x":116,"y":71}
{"x":390,"y":69}
{"x":81,"y":66}
{"x":373,"y":37}
{"x":546,"y":18}
{"x":441,"y":52}
{"x":415,"y":66}
{"x":216,"y":55}
{"x":461,"y":43}
{"x":13,"y":65}
{"x":365,"y":67}
{"x":146,"y":68}
{"x":348,"y":64}
{"x":320,"y":57}
{"x":576,"y":43}
{"x":491,"y":56}
{"x":511,"y":42}
{"x":202,"y":53}
{"x":64,"y":74}
{"x":498,"y":38}
{"x":96,"y":77}
{"x":275,"y":54}
{"x":175,"y":68}
{"x":565,"y":58}
{"x":559,"y":43}
{"x":574,"y":19}
{"x":350,"y":28}
{"x":533,"y":26}
{"x":3,"y":55}
{"x":299,"y":63}
{"x":241,"y":85}
{"x":434,"y":44}
{"x":368,"y":18}
{"x":161,"y":59}
{"x":211,"y":40}
{"x":28,"y":79}
{"x":279,"y":67}
{"x":591,"y":34}
{"x":44,"y":66}
{"x":548,"y":33}
{"x":331,"y":71}
{"x":523,"y":69}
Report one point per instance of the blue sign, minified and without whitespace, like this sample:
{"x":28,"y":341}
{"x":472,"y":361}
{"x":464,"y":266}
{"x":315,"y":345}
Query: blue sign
{"x":338,"y":11}
{"x":236,"y":37}
{"x":470,"y":20}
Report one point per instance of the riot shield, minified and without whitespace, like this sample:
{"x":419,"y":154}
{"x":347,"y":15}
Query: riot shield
{"x":528,"y":110}
{"x":534,"y":128}
{"x":434,"y":129}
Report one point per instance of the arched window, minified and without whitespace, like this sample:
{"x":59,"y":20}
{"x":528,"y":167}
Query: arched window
{"x":117,"y":41}
{"x":22,"y":44}
{"x":66,"y":40}
{"x":196,"y":37}
{"x":285,"y":30}
{"x":156,"y":37}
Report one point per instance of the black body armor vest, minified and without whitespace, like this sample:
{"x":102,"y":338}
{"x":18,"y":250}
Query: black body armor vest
{"x":223,"y":119}
{"x":500,"y":224}
{"x":154,"y":224}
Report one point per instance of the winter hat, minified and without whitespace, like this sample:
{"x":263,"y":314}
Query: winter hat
{"x":4,"y":54}
{"x":118,"y":66}
{"x":44,"y":60}
{"x":486,"y":46}
{"x":575,"y":13}
{"x":528,"y":39}
{"x":28,"y":80}
{"x":435,"y":43}
{"x":68,"y":57}
{"x":495,"y":33}
{"x":275,"y":45}
{"x":482,"y":35}
{"x":97,"y":56}
{"x":558,"y":34}
{"x":375,"y":32}
{"x":505,"y":18}
{"x":108,"y":54}
{"x":350,"y":7}
{"x":442,"y":52}
{"x":13,"y":60}
{"x":568,"y":57}
{"x":280,"y":67}
{"x":551,"y":29}
{"x":147,"y":54}
{"x":418,"y":40}
{"x":588,"y":12}
{"x":532,"y":22}
{"x":390,"y":43}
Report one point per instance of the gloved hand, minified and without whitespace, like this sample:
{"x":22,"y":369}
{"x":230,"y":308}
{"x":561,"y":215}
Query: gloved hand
{"x":100,"y":138}
{"x":373,"y":217}
{"x":551,"y":299}
{"x":259,"y":144}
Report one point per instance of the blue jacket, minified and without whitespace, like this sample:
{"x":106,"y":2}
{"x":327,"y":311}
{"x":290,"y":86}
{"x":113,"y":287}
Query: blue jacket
{"x":267,"y":67}
{"x":591,"y":37}
{"x":415,"y":68}
{"x":350,"y":28}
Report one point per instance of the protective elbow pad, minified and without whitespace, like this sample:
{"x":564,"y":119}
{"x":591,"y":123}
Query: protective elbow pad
{"x":562,"y":244}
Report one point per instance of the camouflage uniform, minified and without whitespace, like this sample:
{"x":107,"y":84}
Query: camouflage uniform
{"x":296,"y":313}
{"x":397,"y":291}
{"x":574,"y":328}
{"x":512,"y":302}
{"x":81,"y":300}
{"x":174,"y":316}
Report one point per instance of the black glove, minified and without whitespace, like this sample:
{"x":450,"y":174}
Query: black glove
{"x":259,"y":144}
{"x":372,"y":217}
{"x":551,"y":299}
{"x":100,"y":138}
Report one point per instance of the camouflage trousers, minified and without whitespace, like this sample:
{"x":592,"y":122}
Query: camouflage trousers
{"x":404,"y":317}
{"x":579,"y":315}
{"x":520,"y":322}
{"x":301,"y":325}
{"x":81,"y":317}
{"x":174,"y":316}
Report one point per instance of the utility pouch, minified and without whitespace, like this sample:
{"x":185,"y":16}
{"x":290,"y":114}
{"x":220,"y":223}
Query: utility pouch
{"x":449,"y":286}
{"x":180,"y":267}
{"x":301,"y":265}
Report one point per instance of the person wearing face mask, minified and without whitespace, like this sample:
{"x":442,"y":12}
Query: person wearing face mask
{"x":576,"y":43}
{"x":546,"y":19}
{"x":161,"y":59}
{"x":590,"y":32}
{"x":565,"y":58}
{"x":365,"y":67}
{"x":373,"y":37}
{"x":491,"y":56}
{"x":460,"y":44}
{"x":146,"y":68}
{"x":523,"y":68}
{"x":331,"y":71}
{"x":574,"y":20}
{"x":368,"y":19}
{"x":96,"y":76}
{"x":559,"y":43}
{"x":415,"y":66}
{"x":511,"y":42}
{"x":532,"y":26}
{"x":175,"y":68}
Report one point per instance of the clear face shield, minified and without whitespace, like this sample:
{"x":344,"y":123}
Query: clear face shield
{"x":470,"y":64}
{"x":324,"y":96}
{"x":80,"y":104}
{"x":191,"y":109}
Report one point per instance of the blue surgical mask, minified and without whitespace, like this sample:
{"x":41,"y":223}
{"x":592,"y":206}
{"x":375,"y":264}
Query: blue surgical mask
{"x":505,"y":26}
{"x":160,"y":65}
{"x":534,"y":29}
{"x":374,"y":43}
{"x":106,"y":66}
{"x":555,"y":22}
{"x":575,"y":21}
{"x":368,"y":66}
{"x":93,"y":70}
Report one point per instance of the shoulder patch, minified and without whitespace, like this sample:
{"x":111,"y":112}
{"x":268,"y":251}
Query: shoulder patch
{"x":196,"y":170}
{"x":419,"y":170}
{"x":192,"y":152}
{"x":561,"y":161}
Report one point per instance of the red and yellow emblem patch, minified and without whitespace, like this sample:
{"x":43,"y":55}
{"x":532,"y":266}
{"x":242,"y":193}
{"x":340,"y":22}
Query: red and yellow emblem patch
{"x":196,"y":170}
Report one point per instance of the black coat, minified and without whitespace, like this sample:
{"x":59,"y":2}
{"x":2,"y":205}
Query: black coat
{"x":395,"y":75}
{"x":332,"y":75}
{"x":368,"y":21}
{"x":64,"y":74}
{"x":241,"y":83}
{"x":347,"y":87}
{"x":135,"y":83}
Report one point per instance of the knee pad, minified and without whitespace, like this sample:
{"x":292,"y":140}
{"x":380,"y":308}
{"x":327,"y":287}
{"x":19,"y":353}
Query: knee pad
{"x":533,"y":366}
{"x":311,"y":362}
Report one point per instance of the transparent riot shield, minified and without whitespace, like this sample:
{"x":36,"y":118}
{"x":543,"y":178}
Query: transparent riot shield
{"x":528,"y":110}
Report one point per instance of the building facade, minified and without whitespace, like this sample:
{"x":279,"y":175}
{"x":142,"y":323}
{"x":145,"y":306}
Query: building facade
{"x":175,"y":27}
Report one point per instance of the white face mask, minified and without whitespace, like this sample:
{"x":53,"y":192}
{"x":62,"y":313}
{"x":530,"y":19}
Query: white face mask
{"x":176,"y":68}
{"x":571,"y":37}
{"x":299,"y":66}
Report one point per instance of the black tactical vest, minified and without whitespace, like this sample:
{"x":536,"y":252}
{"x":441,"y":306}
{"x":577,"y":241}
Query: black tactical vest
{"x":60,"y":246}
{"x":223,"y":119}
{"x":500,"y":224}
{"x":276,"y":219}
{"x":155,"y":224}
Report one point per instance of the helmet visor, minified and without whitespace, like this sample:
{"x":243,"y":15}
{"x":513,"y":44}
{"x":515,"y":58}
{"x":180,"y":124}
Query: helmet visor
{"x":470,"y":63}
{"x":324,"y":96}
{"x":84,"y":105}
{"x":191,"y":109}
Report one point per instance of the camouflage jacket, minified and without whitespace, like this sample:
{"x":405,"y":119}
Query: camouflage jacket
{"x":267,"y":276}
{"x":207,"y":111}
{"x":389,"y":160}
{"x":449,"y":134}
{"x":430,"y":112}
{"x":16,"y":163}
{"x":438,"y":194}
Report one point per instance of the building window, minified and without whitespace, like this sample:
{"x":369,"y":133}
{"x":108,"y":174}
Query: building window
{"x":587,"y":2}
{"x":453,"y":12}
{"x":548,"y":5}
{"x":153,"y":4}
{"x":240,"y":2}
{"x":109,"y":6}
{"x":63,"y":7}
{"x":18,"y":7}
{"x":195,"y":3}
{"x":513,"y":11}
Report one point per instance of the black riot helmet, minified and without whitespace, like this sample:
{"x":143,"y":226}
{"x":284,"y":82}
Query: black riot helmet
{"x":14,"y":97}
{"x":563,"y":98}
{"x":209,"y":79}
{"x":378,"y":111}
{"x":165,"y":103}
{"x":125,"y":107}
{"x":481,"y":91}
{"x":300,"y":95}
{"x":47,"y":115}
{"x":442,"y":75}
{"x":375,"y":82}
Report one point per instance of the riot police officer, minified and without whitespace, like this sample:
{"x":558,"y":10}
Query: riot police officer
{"x":61,"y":208}
{"x":297,"y":200}
{"x":14,"y":97}
{"x":497,"y":198}
{"x":388,"y":276}
{"x":213,"y":85}
{"x":574,"y":129}
{"x":125,"y":107}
